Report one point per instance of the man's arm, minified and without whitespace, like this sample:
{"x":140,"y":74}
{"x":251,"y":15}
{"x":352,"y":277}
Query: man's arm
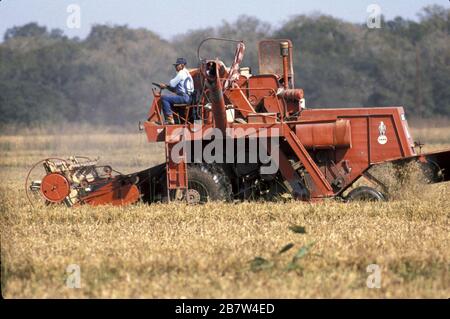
{"x":174,"y":82}
{"x":166,"y":86}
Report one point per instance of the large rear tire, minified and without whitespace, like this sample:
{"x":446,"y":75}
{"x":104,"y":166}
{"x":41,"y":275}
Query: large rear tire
{"x":207,"y":182}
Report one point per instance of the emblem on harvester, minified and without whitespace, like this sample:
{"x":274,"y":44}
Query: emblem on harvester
{"x":382,"y":138}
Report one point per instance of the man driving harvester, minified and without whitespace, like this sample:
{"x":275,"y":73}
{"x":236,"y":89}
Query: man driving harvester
{"x":182,"y":84}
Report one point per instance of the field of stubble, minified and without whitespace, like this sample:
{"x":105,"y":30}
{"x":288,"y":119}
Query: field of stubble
{"x":215,"y":250}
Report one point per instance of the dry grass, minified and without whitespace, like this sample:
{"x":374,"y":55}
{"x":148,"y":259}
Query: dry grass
{"x":178,"y":251}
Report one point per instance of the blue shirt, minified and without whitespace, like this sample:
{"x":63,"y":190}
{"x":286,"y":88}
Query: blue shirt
{"x":183,"y":82}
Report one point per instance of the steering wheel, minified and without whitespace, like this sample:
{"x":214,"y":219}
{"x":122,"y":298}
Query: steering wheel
{"x":158,"y":86}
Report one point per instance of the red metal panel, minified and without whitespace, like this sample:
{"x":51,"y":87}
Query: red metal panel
{"x":365,"y":124}
{"x":155,"y":133}
{"x":263,"y":88}
{"x":113,"y":193}
{"x":240,"y":101}
{"x":384,"y":139}
{"x":176,"y":171}
{"x":176,"y":168}
{"x":335,"y":134}
{"x":262,"y":118}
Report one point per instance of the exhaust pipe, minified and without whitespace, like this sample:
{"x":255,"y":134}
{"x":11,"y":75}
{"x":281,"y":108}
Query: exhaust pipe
{"x":214,"y":85}
{"x":284,"y":51}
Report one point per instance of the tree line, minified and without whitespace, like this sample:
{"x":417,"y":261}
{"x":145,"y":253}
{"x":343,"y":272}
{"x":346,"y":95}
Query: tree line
{"x":106,"y":78}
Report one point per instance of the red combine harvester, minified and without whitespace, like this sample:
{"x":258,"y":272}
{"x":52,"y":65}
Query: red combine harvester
{"x":212,"y":150}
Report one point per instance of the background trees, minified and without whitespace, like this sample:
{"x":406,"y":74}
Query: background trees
{"x":106,"y":78}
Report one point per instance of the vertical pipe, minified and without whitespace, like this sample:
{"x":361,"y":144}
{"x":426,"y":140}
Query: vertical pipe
{"x":284,"y":50}
{"x":217,"y":100}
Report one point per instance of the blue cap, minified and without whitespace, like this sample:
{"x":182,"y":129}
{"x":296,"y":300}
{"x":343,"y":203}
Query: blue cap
{"x":180,"y":61}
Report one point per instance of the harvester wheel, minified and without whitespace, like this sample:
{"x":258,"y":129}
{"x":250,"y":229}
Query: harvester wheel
{"x":432,"y":172}
{"x":208,"y":183}
{"x":365,"y":193}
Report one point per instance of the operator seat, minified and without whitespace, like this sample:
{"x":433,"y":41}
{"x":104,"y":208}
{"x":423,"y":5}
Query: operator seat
{"x":182,"y":108}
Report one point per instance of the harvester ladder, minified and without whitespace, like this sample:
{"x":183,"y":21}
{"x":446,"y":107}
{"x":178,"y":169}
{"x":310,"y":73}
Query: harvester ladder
{"x":176,"y":166}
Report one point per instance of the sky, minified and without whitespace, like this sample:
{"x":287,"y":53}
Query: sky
{"x":169,"y":17}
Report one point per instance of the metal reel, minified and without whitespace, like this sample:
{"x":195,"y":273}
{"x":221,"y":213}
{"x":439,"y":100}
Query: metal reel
{"x":38,"y":181}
